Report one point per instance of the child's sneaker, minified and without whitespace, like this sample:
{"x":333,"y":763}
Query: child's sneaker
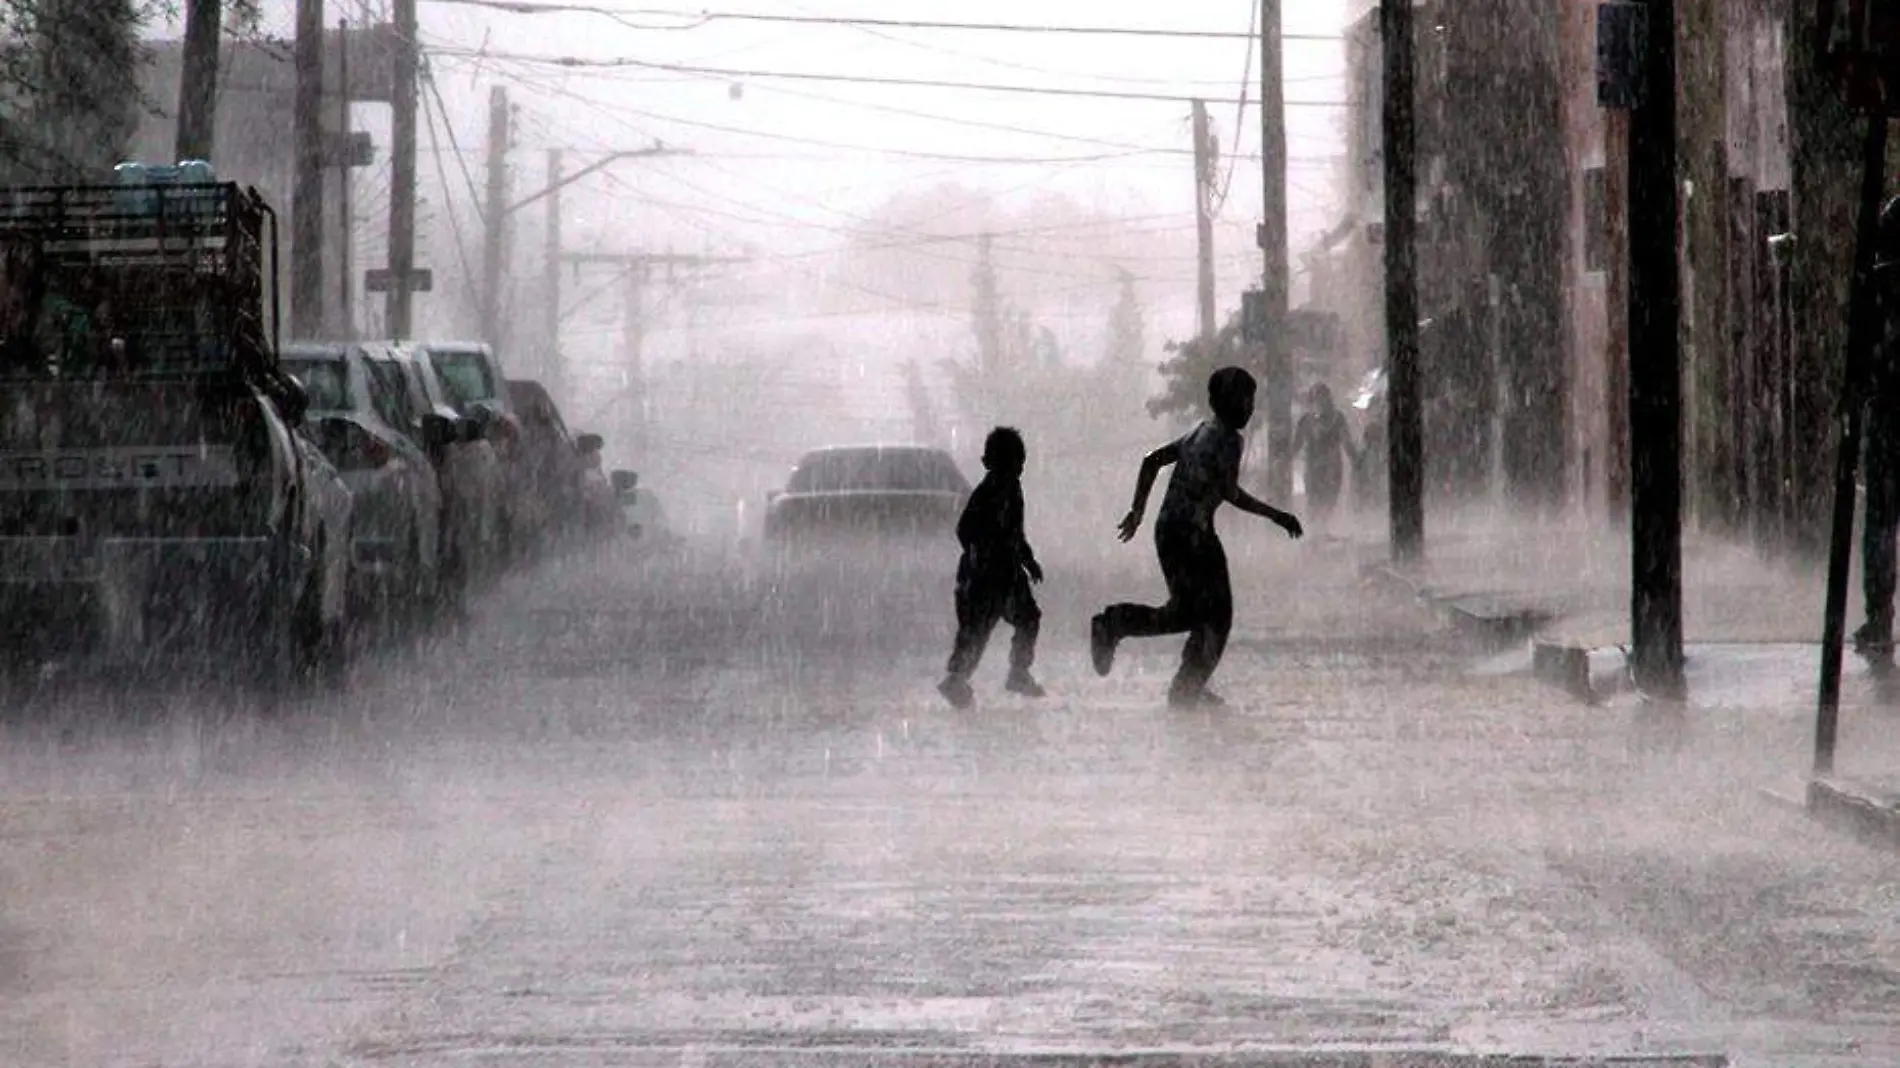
{"x":956,"y":690}
{"x":1101,"y":644}
{"x":1024,"y":684}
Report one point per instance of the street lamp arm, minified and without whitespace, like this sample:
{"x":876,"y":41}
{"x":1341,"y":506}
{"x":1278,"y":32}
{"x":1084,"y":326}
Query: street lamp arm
{"x":658,"y":149}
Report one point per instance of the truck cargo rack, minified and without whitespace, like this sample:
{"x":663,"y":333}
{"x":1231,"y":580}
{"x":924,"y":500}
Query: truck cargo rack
{"x":184,"y":265}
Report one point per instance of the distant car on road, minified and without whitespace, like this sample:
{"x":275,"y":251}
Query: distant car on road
{"x":881,"y":490}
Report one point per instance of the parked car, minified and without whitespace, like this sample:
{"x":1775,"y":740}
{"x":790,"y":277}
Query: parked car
{"x":472,"y":383}
{"x":159,"y":488}
{"x":366,"y":429}
{"x":883,"y":490}
{"x":466,"y":464}
{"x":550,"y":498}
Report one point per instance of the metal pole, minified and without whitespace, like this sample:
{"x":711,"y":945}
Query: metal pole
{"x":399,"y":305}
{"x":551,"y":296}
{"x":346,"y":258}
{"x":198,"y":82}
{"x":1204,"y":218}
{"x":494,"y":214}
{"x":1406,"y":458}
{"x":1863,"y":325}
{"x":1655,"y":378}
{"x":306,"y":198}
{"x":1273,"y":242}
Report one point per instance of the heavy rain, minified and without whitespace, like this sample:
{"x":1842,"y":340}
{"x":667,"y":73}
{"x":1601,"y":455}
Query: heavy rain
{"x":585,"y":532}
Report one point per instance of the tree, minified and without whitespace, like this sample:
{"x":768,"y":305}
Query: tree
{"x":69,"y":92}
{"x":1184,"y":374}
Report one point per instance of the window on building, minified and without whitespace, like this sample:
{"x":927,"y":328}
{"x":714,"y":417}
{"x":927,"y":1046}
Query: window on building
{"x":1596,"y":221}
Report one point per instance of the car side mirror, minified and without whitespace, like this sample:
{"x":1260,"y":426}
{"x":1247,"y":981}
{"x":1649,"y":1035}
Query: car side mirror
{"x":587,"y":443}
{"x":439,"y":431}
{"x":473,"y":430}
{"x":625,"y":482}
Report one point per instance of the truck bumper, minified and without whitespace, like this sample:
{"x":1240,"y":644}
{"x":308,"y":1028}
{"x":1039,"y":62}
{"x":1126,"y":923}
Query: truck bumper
{"x":130,"y":598}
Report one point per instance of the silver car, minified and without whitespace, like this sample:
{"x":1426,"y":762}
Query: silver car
{"x":365,"y":429}
{"x":474,"y":483}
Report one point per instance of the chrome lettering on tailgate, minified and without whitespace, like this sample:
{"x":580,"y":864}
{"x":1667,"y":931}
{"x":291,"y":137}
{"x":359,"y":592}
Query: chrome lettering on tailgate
{"x":119,"y":468}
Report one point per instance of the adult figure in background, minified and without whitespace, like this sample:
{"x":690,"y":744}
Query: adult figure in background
{"x":1327,"y":442}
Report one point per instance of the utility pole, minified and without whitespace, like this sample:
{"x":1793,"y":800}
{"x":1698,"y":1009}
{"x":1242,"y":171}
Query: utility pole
{"x":1275,"y":280}
{"x":495,"y":214}
{"x":555,"y":373}
{"x":1655,"y":367}
{"x":306,"y":198}
{"x":633,"y":341}
{"x":347,"y":223}
{"x":1405,"y":473}
{"x":1204,"y":168}
{"x":198,"y":80}
{"x":399,"y":304}
{"x":637,"y":265}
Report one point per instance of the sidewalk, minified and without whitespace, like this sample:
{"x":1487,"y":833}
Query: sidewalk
{"x":1751,"y":633}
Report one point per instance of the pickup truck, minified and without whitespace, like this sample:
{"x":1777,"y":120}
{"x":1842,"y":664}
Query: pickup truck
{"x":160,"y":494}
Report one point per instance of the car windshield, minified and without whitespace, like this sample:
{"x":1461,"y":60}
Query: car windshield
{"x":876,"y":469}
{"x":326,"y":381}
{"x":465,"y":376}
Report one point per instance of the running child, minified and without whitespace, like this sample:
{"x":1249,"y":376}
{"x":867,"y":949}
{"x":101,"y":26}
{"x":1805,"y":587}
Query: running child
{"x":994,"y":574}
{"x":1200,"y":597}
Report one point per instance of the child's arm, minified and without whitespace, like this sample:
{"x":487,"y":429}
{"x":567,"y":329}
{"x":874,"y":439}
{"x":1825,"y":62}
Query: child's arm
{"x":1151,"y":466}
{"x":1247,"y":502}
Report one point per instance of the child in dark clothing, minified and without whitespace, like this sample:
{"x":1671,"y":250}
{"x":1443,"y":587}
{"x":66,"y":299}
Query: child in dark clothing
{"x":994,"y":574}
{"x":1200,"y":596}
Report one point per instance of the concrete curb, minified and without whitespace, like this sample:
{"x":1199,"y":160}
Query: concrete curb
{"x":1856,"y":810}
{"x":1498,"y":619}
{"x":1319,"y":1057}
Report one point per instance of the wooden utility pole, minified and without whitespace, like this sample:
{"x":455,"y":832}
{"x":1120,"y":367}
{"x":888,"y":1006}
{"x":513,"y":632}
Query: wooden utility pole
{"x":1276,"y":279}
{"x":399,"y":306}
{"x":347,"y":221}
{"x":495,"y":216}
{"x":1655,"y":378}
{"x":555,"y":373}
{"x":1204,"y":169}
{"x":1406,"y":468}
{"x":306,"y":198}
{"x":198,"y":80}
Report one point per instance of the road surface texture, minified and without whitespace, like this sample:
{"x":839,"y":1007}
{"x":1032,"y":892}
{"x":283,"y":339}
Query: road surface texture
{"x":685,"y":810}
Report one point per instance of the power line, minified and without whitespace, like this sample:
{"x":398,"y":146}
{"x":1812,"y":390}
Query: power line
{"x":1240,"y":110}
{"x":1130,"y":149}
{"x":702,"y":18}
{"x":455,"y":221}
{"x":584,"y":62}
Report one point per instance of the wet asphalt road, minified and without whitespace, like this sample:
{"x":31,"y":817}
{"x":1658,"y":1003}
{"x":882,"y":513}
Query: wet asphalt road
{"x":675,"y":810}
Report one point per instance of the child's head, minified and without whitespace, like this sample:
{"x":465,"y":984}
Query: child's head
{"x":1004,"y":451}
{"x":1230,"y":394}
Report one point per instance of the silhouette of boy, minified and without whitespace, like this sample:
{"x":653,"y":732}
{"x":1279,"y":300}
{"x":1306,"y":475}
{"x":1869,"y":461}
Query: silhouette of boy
{"x":994,"y":573}
{"x":1200,"y":597}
